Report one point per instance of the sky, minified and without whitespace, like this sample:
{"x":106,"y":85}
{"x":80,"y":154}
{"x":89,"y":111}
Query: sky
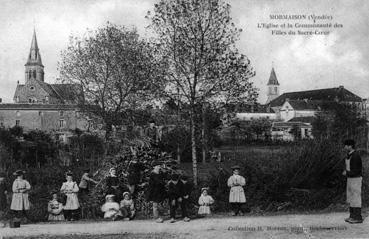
{"x":301,"y":62}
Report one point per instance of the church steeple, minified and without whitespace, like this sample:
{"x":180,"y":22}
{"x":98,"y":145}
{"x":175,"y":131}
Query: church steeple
{"x":273,"y":86}
{"x":34,"y":67}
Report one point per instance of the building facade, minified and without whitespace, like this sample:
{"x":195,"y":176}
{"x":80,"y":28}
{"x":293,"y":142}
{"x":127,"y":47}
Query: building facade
{"x":39,"y":105}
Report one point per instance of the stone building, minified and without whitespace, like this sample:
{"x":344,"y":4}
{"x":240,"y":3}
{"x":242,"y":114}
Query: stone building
{"x":41,"y":105}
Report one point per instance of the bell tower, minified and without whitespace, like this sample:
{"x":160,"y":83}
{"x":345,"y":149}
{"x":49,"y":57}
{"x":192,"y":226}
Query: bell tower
{"x":34,"y":68}
{"x":273,"y":86}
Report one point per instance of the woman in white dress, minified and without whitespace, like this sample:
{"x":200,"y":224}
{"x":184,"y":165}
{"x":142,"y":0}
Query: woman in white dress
{"x":205,"y":201}
{"x":70,"y":189}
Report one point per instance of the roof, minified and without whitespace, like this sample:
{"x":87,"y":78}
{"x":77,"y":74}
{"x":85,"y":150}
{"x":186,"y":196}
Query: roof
{"x":15,"y":106}
{"x":329,"y":94}
{"x":273,"y":78}
{"x":64,"y":92}
{"x":67,"y":92}
{"x":290,"y":124}
{"x":305,"y":104}
{"x":34,"y":57}
{"x":307,"y":119}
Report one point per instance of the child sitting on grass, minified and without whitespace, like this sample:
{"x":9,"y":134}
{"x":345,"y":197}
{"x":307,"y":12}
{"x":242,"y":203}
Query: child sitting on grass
{"x":127,"y":207}
{"x":111,"y":208}
{"x":55,"y":209}
{"x":205,"y":201}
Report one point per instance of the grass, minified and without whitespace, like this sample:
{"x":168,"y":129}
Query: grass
{"x":109,"y":236}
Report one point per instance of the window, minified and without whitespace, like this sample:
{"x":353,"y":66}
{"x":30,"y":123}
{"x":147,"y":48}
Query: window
{"x":61,"y":123}
{"x":32,"y":88}
{"x":61,"y":113}
{"x":47,"y":99}
{"x":17,"y":122}
{"x":30,"y":100}
{"x":275,"y":90}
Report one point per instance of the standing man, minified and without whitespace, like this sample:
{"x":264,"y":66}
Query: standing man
{"x":156,"y":190}
{"x":353,"y":172}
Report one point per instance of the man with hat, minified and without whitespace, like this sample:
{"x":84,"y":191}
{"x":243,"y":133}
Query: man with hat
{"x":353,"y":172}
{"x":20,"y":202}
{"x":236,"y":194}
{"x":156,"y":190}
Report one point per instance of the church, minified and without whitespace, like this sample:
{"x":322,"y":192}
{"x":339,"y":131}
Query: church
{"x":39,"y":105}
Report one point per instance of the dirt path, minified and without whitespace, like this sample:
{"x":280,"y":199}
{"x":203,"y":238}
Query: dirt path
{"x":285,"y":226}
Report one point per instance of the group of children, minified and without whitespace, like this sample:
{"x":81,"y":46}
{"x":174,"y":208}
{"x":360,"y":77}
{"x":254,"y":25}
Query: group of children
{"x":177,"y":190}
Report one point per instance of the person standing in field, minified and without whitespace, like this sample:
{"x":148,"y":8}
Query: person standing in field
{"x":20,"y":202}
{"x":70,"y":189}
{"x":3,"y":192}
{"x":84,"y":184}
{"x":205,"y":200}
{"x":156,"y":190}
{"x":353,"y":172}
{"x":236,"y":195}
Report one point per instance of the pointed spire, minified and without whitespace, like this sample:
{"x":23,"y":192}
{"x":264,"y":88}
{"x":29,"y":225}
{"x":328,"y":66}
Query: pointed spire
{"x":34,"y":56}
{"x":273,"y":78}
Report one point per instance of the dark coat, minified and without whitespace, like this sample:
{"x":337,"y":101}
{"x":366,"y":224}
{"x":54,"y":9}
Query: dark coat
{"x":3,"y":196}
{"x":186,"y":188}
{"x":174,"y":190}
{"x":156,"y":189}
{"x":356,"y":167}
{"x":134,"y":173}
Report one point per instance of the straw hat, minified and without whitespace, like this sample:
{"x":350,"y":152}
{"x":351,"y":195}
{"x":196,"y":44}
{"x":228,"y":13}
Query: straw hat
{"x":204,"y":188}
{"x":19,"y":172}
{"x":126,"y":193}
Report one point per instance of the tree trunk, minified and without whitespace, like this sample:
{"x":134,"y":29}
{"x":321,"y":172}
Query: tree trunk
{"x":203,"y":134}
{"x":193,"y":141}
{"x":178,"y":154}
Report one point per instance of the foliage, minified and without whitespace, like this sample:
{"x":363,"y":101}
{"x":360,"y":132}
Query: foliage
{"x":116,"y":70}
{"x":338,"y":121}
{"x":197,"y":40}
{"x":306,"y":175}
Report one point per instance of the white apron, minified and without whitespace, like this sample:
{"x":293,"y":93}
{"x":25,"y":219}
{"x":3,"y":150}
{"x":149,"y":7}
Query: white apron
{"x":70,"y":189}
{"x":236,"y":193}
{"x":20,"y":199}
{"x":353,"y":190}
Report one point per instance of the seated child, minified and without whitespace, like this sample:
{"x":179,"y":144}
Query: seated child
{"x":127,"y":207}
{"x":111,"y":208}
{"x":55,"y":209}
{"x":205,"y":201}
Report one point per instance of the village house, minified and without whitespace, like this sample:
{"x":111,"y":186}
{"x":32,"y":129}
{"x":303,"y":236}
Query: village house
{"x":39,"y":105}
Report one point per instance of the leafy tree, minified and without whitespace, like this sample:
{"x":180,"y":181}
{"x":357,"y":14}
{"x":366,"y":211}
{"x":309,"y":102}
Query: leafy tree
{"x":338,"y":121}
{"x":116,"y":70}
{"x":197,"y":40}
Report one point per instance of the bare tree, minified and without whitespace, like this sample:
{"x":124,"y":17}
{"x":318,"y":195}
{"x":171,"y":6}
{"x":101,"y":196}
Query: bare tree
{"x":197,"y":38}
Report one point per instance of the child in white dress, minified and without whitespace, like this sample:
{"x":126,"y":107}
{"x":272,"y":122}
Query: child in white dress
{"x":205,"y":201}
{"x":70,"y":189}
{"x":111,"y":208}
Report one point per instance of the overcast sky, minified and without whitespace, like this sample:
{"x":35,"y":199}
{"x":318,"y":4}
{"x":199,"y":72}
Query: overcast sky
{"x":301,"y":62}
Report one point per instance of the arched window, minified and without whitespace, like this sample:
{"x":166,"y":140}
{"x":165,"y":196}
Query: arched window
{"x":34,"y":74}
